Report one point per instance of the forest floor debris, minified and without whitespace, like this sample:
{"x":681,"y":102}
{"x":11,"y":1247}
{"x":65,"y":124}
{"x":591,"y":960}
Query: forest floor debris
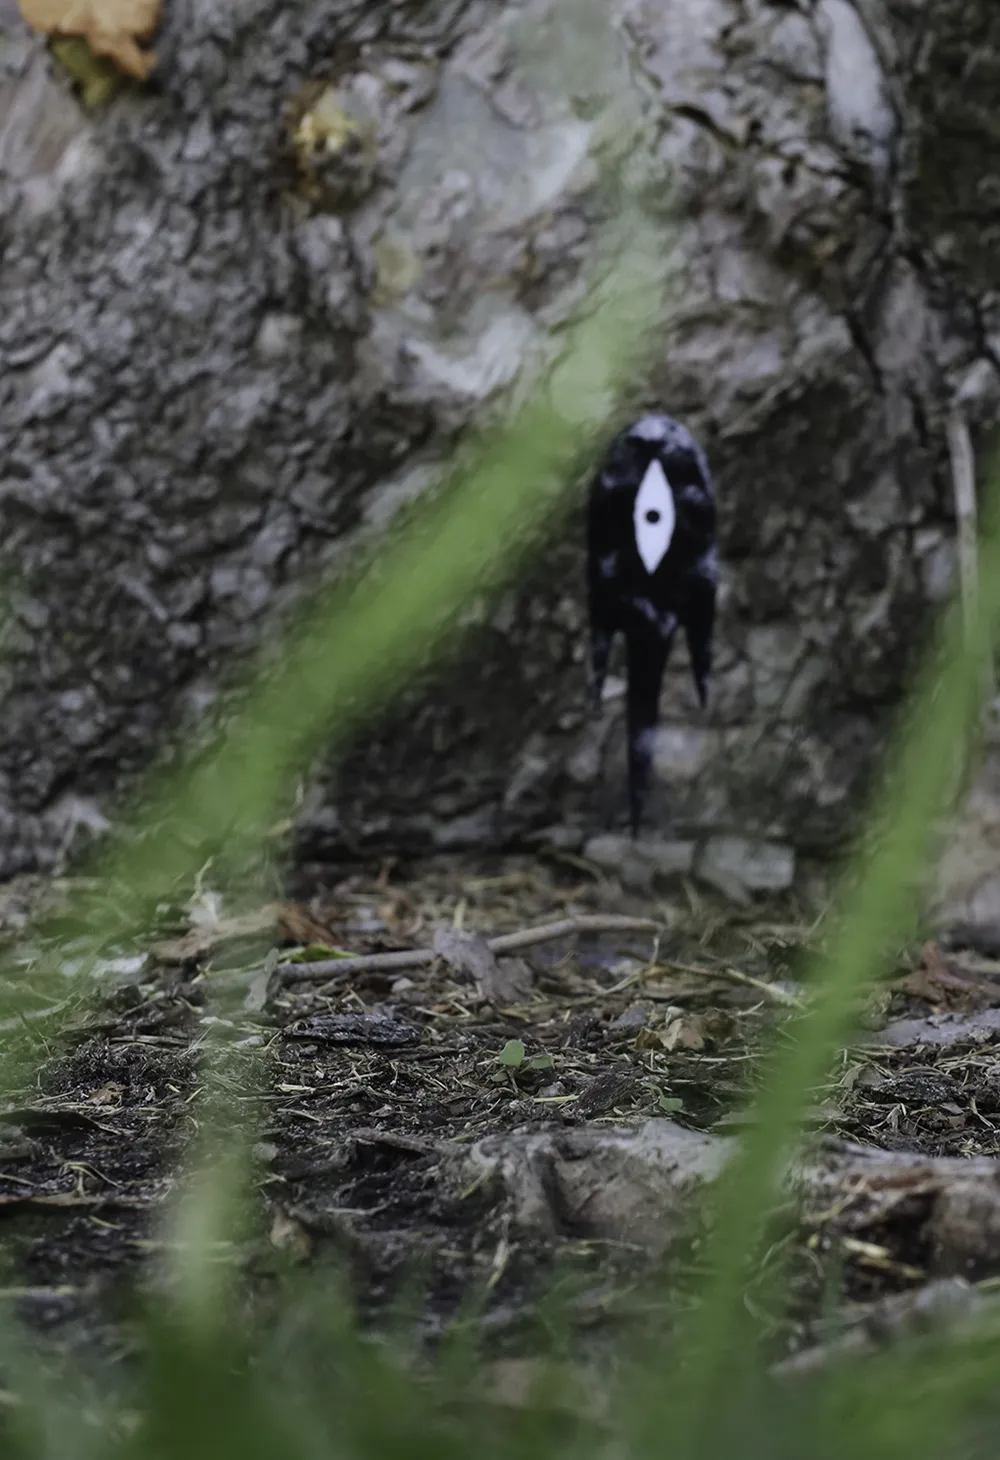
{"x":513,"y":1117}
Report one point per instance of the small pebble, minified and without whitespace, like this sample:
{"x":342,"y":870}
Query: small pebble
{"x":625,"y":967}
{"x":636,"y":1016}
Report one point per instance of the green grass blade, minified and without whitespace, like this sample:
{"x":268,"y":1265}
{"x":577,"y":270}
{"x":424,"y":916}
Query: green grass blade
{"x":881,"y":909}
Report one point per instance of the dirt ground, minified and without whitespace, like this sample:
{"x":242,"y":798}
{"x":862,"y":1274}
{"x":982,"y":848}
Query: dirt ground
{"x":374,"y":1093}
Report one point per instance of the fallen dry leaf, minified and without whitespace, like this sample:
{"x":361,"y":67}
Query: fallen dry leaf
{"x":297,"y":925}
{"x":289,"y":923}
{"x":465,"y":952}
{"x":943,"y":983}
{"x":695,"y":1031}
{"x":502,"y":983}
{"x":400,"y":913}
{"x":110,"y":27}
{"x":289,"y":1235}
{"x":201,"y":941}
{"x":687,"y":1032}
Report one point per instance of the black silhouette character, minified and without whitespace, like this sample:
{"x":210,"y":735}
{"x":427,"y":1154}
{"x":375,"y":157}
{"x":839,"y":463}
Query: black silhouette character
{"x":652,"y":565}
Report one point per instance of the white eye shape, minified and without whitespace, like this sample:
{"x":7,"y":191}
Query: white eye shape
{"x":654,"y":516}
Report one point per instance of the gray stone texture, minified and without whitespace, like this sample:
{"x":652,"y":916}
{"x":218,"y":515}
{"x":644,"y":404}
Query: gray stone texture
{"x":216,"y":373}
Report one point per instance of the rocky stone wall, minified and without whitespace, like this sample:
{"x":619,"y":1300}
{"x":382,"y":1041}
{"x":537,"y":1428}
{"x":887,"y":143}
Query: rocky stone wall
{"x":224,"y":356}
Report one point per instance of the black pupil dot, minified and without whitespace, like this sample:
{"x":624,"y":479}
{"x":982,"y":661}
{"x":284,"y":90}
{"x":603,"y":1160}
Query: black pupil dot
{"x":652,"y":515}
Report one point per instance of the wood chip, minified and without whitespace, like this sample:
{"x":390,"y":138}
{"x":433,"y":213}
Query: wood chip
{"x":356,"y":1029}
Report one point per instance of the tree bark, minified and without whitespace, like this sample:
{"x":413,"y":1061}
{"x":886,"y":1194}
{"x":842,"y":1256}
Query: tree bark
{"x":217,"y":371}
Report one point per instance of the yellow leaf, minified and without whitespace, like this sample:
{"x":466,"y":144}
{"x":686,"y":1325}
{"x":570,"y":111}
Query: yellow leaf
{"x":98,"y":78}
{"x":111,"y":28}
{"x":325,"y":127}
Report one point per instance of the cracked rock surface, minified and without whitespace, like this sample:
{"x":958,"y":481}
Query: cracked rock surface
{"x":222,"y":360}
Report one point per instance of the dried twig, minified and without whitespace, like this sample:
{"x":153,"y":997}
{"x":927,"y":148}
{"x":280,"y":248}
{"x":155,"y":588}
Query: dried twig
{"x":292,"y":973}
{"x":325,"y":968}
{"x":566,"y":927}
{"x":70,"y":1200}
{"x":771,"y":991}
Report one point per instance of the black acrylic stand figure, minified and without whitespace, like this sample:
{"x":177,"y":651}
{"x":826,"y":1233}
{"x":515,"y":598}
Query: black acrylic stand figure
{"x":652,"y":567}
